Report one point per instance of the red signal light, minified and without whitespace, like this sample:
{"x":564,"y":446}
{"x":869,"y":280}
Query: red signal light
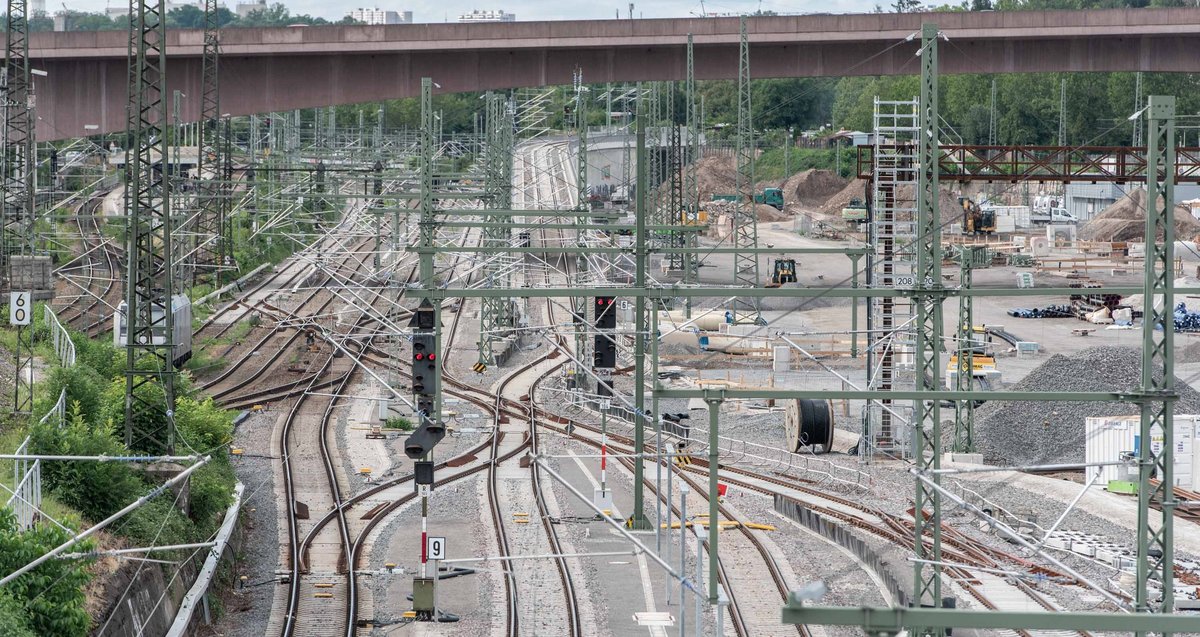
{"x":432,"y":356}
{"x":420,"y":356}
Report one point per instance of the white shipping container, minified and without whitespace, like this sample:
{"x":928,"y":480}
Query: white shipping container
{"x":1108,"y":438}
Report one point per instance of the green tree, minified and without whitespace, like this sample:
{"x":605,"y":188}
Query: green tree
{"x":95,"y":489}
{"x":50,"y":595}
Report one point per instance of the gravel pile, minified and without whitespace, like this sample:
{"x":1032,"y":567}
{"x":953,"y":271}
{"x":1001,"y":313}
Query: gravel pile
{"x":1020,"y":433}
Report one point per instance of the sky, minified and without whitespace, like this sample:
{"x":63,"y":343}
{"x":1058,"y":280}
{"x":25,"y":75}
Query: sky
{"x":528,"y":10}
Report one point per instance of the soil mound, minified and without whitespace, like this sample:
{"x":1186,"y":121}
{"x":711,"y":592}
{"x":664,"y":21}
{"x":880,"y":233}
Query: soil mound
{"x":812,"y":188}
{"x":1125,"y":220}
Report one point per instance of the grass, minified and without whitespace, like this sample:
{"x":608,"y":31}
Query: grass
{"x":770,"y":164}
{"x":10,"y":439}
{"x":403,"y":424}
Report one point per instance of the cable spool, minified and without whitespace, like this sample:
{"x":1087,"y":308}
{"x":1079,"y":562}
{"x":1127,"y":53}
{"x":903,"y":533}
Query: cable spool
{"x":809,"y":423}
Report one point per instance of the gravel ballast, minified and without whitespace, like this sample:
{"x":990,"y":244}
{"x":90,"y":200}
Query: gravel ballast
{"x":1026,"y":433}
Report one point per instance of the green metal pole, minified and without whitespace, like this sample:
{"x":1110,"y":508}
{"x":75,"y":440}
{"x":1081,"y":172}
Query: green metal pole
{"x":927,"y":581}
{"x":637,"y":518}
{"x":1155,"y":556}
{"x":964,"y":416}
{"x":854,"y":306}
{"x":714,"y":417}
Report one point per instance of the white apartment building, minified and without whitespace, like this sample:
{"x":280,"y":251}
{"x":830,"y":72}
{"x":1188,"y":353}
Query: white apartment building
{"x":487,"y":15}
{"x":381,"y":16}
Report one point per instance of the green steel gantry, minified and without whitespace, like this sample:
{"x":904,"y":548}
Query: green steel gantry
{"x":149,"y":423}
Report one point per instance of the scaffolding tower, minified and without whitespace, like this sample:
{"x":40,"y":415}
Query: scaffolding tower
{"x":890,"y":264}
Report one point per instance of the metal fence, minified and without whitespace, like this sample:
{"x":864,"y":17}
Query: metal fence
{"x":64,"y":347}
{"x":26,"y":499}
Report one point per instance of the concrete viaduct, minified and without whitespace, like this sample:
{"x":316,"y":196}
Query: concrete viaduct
{"x":276,"y":69}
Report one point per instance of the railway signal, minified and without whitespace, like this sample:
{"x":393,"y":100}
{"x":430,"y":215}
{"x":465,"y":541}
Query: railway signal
{"x":425,"y":382}
{"x":606,"y":318}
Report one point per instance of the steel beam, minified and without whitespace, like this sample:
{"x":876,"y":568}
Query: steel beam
{"x":889,"y":621}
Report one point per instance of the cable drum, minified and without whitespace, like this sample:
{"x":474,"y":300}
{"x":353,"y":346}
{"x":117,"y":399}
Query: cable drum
{"x":809,"y":423}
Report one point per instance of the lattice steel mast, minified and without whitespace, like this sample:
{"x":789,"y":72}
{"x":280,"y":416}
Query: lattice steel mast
{"x":1157,"y":393}
{"x":494,"y":311}
{"x":691,"y":188}
{"x":579,"y":304}
{"x":18,"y":158}
{"x":927,"y":450}
{"x":210,"y":222}
{"x":149,"y":424}
{"x":745,"y":222}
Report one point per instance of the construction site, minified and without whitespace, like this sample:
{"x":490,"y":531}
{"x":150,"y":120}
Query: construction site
{"x":610,"y":354}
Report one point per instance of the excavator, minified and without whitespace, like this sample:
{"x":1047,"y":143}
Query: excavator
{"x":975,"y":219}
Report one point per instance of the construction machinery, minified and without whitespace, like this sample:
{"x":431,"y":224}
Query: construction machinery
{"x":855,"y":211}
{"x":784,"y":272}
{"x":770,"y":196}
{"x":976,"y":220}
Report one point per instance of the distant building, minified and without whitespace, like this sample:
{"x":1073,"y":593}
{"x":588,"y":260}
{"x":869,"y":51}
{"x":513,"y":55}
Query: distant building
{"x":481,"y":15}
{"x":244,"y":9}
{"x":122,"y":10}
{"x":380,"y":16}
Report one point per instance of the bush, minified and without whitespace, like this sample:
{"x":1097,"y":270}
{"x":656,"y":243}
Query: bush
{"x":95,"y":489}
{"x":98,"y":354}
{"x":211,"y":492}
{"x":84,"y":388}
{"x":403,"y":424}
{"x":157,"y":522}
{"x":12,"y":618}
{"x":52,"y":594}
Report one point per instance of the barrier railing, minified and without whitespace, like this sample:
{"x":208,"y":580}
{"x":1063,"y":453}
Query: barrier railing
{"x":26,"y":499}
{"x":64,"y":347}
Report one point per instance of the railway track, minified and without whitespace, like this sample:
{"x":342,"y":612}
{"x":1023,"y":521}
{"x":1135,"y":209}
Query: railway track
{"x":101,"y":267}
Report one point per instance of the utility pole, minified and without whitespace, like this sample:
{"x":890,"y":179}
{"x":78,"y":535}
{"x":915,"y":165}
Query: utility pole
{"x":745,"y":222}
{"x":579,"y":304}
{"x":691,"y":186}
{"x":19,"y":190}
{"x":1062,"y":112}
{"x":1137,"y":106}
{"x":637,"y":518}
{"x":213,"y":191}
{"x":992,"y":116}
{"x":149,"y":425}
{"x":927,"y":451}
{"x":1157,"y":394}
{"x":964,"y":410}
